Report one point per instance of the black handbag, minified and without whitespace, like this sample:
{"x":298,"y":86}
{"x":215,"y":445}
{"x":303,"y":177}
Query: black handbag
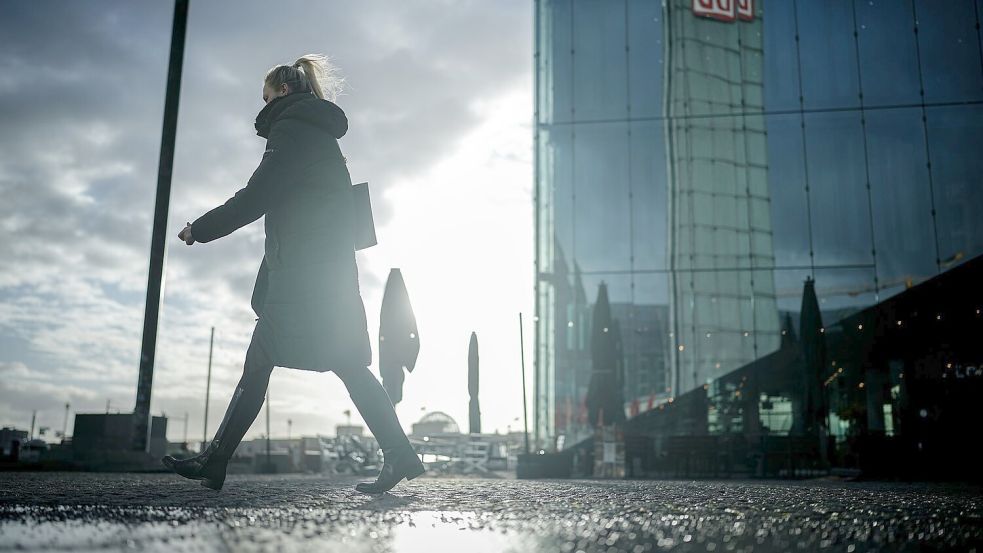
{"x":364,"y":224}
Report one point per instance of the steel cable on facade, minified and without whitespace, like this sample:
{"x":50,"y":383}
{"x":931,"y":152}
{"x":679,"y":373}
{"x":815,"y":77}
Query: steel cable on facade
{"x":928,"y":148}
{"x":863,"y":129}
{"x":802,"y":122}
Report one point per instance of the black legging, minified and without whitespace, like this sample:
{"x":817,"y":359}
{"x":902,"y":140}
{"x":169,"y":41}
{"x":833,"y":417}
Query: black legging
{"x":368,"y":395}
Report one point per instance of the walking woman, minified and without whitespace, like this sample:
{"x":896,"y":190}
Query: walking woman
{"x":306,"y":295}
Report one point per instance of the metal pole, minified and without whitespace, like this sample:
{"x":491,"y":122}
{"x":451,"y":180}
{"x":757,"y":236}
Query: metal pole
{"x":537,"y":224}
{"x":155,"y":278}
{"x":268,"y":463}
{"x":208,"y":387}
{"x":34,"y":416}
{"x":525,"y":416}
{"x":64,"y":427}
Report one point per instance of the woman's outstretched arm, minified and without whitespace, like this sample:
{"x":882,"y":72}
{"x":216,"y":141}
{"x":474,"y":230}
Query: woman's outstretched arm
{"x":257,"y":197}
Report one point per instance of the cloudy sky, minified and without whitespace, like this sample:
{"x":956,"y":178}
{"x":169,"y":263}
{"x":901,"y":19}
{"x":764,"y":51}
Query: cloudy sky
{"x":439,"y":100}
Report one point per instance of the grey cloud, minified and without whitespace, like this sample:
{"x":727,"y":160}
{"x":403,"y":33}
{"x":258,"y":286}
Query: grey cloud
{"x":81,"y":100}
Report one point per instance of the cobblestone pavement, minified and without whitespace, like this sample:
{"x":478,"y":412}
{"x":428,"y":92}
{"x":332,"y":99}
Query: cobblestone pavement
{"x":161,"y":512}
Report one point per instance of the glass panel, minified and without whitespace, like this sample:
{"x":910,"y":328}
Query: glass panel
{"x":599,"y":60}
{"x":768,"y":321}
{"x":956,"y":168}
{"x":561,"y":60}
{"x":752,"y":65}
{"x":645,"y":57}
{"x":950,"y":52}
{"x":839,"y":205}
{"x":713,"y":320}
{"x":705,"y":65}
{"x":544,"y":62}
{"x":828,"y":55}
{"x":648,"y":189}
{"x":715,"y":67}
{"x":781,"y":66}
{"x":718,"y":196}
{"x":904,"y":234}
{"x":788,"y":294}
{"x":558,"y":162}
{"x":601,"y":231}
{"x":786,"y":181}
{"x":840,"y":293}
{"x":843,"y":292}
{"x":647,"y":341}
{"x":888,"y":57}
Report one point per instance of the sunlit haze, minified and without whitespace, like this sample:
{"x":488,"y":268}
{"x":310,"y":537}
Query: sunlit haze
{"x":442,"y":134}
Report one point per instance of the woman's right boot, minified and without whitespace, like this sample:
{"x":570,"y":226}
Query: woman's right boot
{"x":373,"y":403}
{"x":397,"y":464}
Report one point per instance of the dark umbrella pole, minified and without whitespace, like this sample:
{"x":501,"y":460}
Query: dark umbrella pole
{"x":269,"y":462}
{"x":522,"y":355}
{"x":208,"y":389}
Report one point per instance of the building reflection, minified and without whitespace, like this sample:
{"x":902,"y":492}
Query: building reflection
{"x":779,"y":198}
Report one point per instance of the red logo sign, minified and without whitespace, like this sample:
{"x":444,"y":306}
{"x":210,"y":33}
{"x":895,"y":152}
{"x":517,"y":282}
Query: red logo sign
{"x":724,"y":10}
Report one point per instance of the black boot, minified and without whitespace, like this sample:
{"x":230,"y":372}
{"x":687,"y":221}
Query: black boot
{"x":396,"y":466}
{"x":204,"y":467}
{"x":210,"y":465}
{"x":373,"y":403}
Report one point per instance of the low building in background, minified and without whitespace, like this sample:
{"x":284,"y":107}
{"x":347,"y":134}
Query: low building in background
{"x":104,"y":441}
{"x":10,"y":440}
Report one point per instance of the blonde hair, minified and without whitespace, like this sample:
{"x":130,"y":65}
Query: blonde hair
{"x":313,"y":73}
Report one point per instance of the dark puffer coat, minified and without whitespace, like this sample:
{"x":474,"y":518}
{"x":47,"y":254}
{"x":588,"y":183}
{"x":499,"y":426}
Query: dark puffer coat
{"x":306,"y":293}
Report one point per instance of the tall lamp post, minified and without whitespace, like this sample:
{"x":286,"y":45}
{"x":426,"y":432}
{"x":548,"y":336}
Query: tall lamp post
{"x":141,"y":412}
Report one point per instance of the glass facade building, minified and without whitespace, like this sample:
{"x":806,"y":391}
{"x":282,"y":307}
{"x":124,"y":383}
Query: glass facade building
{"x":711,"y":160}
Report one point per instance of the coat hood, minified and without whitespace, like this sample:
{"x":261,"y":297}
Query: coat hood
{"x":306,"y":107}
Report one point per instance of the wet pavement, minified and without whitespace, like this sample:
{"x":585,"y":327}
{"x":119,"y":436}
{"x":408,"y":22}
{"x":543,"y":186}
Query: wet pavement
{"x":161,"y":512}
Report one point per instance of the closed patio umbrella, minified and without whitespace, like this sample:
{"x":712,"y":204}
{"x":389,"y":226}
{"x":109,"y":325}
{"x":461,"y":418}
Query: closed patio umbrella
{"x":813,"y":341}
{"x":399,"y":340}
{"x":474,"y":412}
{"x":604,"y":404}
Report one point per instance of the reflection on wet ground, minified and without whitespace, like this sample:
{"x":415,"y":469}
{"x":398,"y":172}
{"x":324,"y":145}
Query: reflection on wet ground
{"x":123,"y":512}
